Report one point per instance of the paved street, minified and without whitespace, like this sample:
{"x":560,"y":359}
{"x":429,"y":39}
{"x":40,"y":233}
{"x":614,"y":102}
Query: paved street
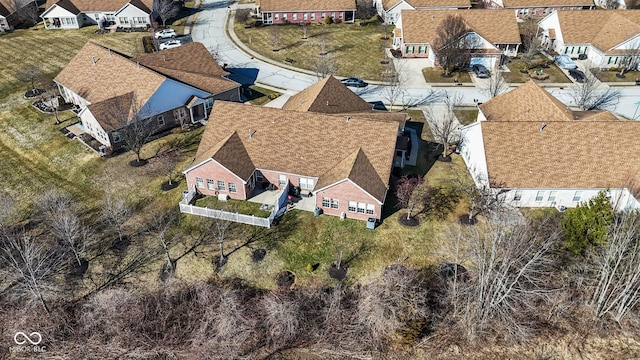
{"x":209,"y":29}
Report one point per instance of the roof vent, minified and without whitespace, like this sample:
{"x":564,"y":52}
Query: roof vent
{"x":138,"y":63}
{"x":164,"y":58}
{"x":542,"y":127}
{"x":93,"y":60}
{"x":327,"y":102}
{"x":566,"y":109}
{"x":526,"y":112}
{"x":109,"y":51}
{"x":348,"y":119}
{"x":251,"y":132}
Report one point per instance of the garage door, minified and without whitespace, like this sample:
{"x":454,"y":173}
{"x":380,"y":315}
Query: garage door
{"x":487,"y":62}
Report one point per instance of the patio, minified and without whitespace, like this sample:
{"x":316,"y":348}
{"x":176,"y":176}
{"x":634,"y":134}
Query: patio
{"x":270,"y":198}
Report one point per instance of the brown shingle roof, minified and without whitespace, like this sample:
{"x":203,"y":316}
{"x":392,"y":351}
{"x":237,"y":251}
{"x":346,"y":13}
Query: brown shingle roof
{"x":603,"y":29}
{"x":307,"y":5}
{"x":305,"y":143}
{"x":418,"y":4}
{"x":191,"y":64}
{"x":110,"y":113}
{"x":327,"y":96}
{"x":567,"y":154}
{"x":530,"y":102}
{"x":97,"y":5}
{"x":496,"y":26}
{"x":545,"y":3}
{"x":97,"y":74}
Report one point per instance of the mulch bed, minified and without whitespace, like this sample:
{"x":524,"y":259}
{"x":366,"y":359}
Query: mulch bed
{"x":338,"y":270}
{"x":136,"y":163}
{"x":465,"y":220}
{"x":411,"y":221}
{"x":29,"y":94}
{"x":166,"y":186}
{"x":285,"y":279}
{"x":258,"y":255}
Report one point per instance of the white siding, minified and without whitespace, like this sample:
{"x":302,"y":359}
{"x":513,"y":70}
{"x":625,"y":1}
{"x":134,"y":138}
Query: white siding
{"x":92,"y":127}
{"x":393,"y":14}
{"x":130,"y":12}
{"x":57,"y":11}
{"x":472,"y":151}
{"x":621,"y":198}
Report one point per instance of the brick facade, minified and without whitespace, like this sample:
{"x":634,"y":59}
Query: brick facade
{"x":344,"y":192}
{"x":211,"y":173}
{"x":300,"y":17}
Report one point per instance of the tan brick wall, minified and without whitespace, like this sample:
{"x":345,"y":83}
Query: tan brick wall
{"x":214,"y":171}
{"x":344,"y":192}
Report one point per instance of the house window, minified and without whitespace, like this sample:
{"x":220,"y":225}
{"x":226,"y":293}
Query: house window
{"x":577,"y":195}
{"x":370,"y":209}
{"x":259,"y":176}
{"x":180,"y":114}
{"x":124,"y":20}
{"x":221,"y":185}
{"x":199,"y":182}
{"x":306,"y":183}
{"x":540,"y":195}
{"x":305,"y":16}
{"x":313,"y":16}
{"x":324,"y":15}
{"x":211,"y":184}
{"x":294,"y":16}
{"x":276,"y":16}
{"x":333,"y":15}
{"x":340,"y":15}
{"x":116,"y":137}
{"x":232,"y":187}
{"x":282,"y":179}
{"x":284,"y":17}
{"x":139,"y":20}
{"x":409,"y":49}
{"x":517,"y":196}
{"x":552,"y":195}
{"x":161,"y":120}
{"x":330,"y":203}
{"x":362,"y":207}
{"x":352,"y":206}
{"x":422,"y":49}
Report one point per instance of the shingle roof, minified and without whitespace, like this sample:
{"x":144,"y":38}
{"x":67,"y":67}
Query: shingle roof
{"x":326,"y":146}
{"x":567,"y":154}
{"x":496,"y":26}
{"x":76,"y":6}
{"x":191,"y":64}
{"x":110,"y":113}
{"x":296,"y":5}
{"x":530,"y":102}
{"x":603,"y":29}
{"x":97,"y":73}
{"x":4,"y":9}
{"x":545,"y":3}
{"x":388,"y":4}
{"x":327,"y":96}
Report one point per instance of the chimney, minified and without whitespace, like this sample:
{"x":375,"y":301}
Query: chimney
{"x":542,"y":127}
{"x":93,"y":60}
{"x":327,"y":102}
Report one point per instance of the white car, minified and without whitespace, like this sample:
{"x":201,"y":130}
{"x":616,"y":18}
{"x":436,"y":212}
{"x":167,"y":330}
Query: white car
{"x":170,"y":44}
{"x":166,"y":34}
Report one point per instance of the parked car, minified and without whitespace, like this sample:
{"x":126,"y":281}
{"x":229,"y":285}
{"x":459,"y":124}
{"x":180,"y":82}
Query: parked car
{"x":354,"y":82}
{"x":565,"y":62}
{"x":480,"y":71}
{"x":170,"y":44}
{"x":166,"y":34}
{"x":577,"y":75}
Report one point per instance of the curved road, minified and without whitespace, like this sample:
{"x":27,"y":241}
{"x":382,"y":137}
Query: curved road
{"x":209,"y":29}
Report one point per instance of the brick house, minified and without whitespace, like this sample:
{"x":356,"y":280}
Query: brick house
{"x":343,"y":161}
{"x":74,"y":14}
{"x":299,"y":12}
{"x":541,"y":153}
{"x":609,"y":38}
{"x":10,"y":16}
{"x":165,"y":89}
{"x":389,"y":10}
{"x":495,"y":34}
{"x":525,"y":9}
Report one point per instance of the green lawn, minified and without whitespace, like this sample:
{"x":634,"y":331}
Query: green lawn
{"x":257,"y":95}
{"x":466,"y":117}
{"x":354,"y":50}
{"x":437,"y":75}
{"x":514,"y":75}
{"x":610,"y":76}
{"x":241,"y":207}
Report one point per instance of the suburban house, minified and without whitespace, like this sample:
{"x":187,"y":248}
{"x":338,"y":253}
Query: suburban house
{"x":608,"y":38}
{"x":342,"y":163}
{"x":540,"y":153}
{"x":74,"y":14}
{"x":495,"y":33}
{"x":330,"y":96}
{"x":389,"y":10}
{"x":526,"y":9}
{"x":166,"y":89}
{"x":10,"y":17}
{"x":301,"y":12}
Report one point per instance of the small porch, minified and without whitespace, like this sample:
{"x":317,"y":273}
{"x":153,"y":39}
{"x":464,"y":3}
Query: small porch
{"x":302,"y":201}
{"x":197,"y":109}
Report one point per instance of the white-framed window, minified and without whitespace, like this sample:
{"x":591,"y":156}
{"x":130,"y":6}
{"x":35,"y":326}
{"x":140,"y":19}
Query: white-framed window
{"x":211,"y":184}
{"x":324,"y":15}
{"x":139,"y":20}
{"x":305,"y":16}
{"x":540,"y":195}
{"x":362,"y":208}
{"x":294,"y":16}
{"x":517,"y":196}
{"x":330,"y":203}
{"x":123,"y":20}
{"x":306,"y":183}
{"x":116,"y":137}
{"x":232,"y":187}
{"x":160,"y":119}
{"x":313,"y":16}
{"x":276,"y":16}
{"x":339,"y":15}
{"x":282,"y":179}
{"x":259,"y":176}
{"x":370,"y":209}
{"x":180,"y":114}
{"x":200,"y":182}
{"x":409,"y":49}
{"x":552,"y":195}
{"x":577,"y":196}
{"x":422,"y":49}
{"x":352,"y":206}
{"x":221,"y":185}
{"x":333,"y":15}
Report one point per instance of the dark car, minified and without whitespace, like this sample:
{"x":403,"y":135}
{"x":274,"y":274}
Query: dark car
{"x":480,"y":71}
{"x":578,"y":75}
{"x":354,"y":82}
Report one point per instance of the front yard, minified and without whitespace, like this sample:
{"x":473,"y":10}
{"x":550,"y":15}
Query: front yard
{"x":437,"y":75}
{"x":515,"y":75}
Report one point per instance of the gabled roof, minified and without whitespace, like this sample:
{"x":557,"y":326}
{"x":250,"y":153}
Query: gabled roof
{"x":296,"y":5}
{"x":97,"y":74}
{"x":4,"y":9}
{"x":327,"y":96}
{"x":77,"y":6}
{"x":565,"y":154}
{"x":530,"y":102}
{"x":425,"y":4}
{"x":495,"y":26}
{"x":546,"y":3}
{"x":110,"y":112}
{"x":191,"y":64}
{"x":306,"y":143}
{"x":603,"y":29}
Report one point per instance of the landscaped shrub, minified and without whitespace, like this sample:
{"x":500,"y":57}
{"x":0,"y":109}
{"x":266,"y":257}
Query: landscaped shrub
{"x":328,"y":20}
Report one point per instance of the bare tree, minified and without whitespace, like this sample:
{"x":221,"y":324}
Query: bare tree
{"x":135,"y":125}
{"x":616,"y":266}
{"x":275,"y":37}
{"x":487,"y":197}
{"x":66,"y":226}
{"x":304,"y":27}
{"x":528,"y":31}
{"x":166,"y":9}
{"x":30,"y":73}
{"x":170,"y":159}
{"x":611,"y":4}
{"x":496,"y":85}
{"x":451,"y":45}
{"x":591,"y":95}
{"x":283,"y":319}
{"x":219,"y":229}
{"x":365,"y":9}
{"x":161,"y":224}
{"x":444,"y":124}
{"x":234,"y":327}
{"x":408,"y":195}
{"x":395,"y":90}
{"x":116,"y":213}
{"x":323,"y":66}
{"x":631,"y":57}
{"x":31,"y":267}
